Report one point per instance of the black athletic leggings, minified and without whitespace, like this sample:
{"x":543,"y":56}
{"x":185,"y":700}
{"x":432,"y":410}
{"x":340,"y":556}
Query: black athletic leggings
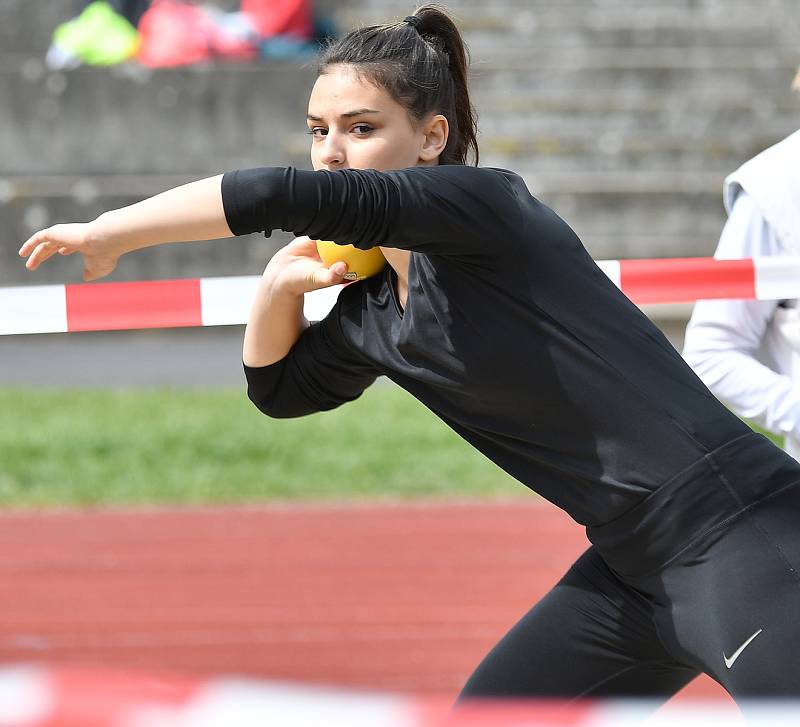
{"x":727,"y":603}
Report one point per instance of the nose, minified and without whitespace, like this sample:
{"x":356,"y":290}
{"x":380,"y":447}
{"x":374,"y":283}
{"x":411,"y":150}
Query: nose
{"x":332,"y":154}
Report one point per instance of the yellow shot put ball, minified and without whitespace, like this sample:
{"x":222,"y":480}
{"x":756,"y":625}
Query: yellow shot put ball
{"x":360,"y":263}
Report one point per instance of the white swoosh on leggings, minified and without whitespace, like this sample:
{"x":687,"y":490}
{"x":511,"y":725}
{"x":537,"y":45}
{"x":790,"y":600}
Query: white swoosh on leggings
{"x":736,"y":654}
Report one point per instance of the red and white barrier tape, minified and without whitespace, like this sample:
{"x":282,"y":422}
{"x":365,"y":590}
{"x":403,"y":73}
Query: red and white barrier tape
{"x":685,"y":280}
{"x":145,"y":304}
{"x":63,"y":697}
{"x":226,"y":301}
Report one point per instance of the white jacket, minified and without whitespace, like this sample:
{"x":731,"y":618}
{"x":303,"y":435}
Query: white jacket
{"x":747,"y":351}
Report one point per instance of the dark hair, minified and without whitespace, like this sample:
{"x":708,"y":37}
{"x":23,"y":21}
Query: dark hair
{"x":422,"y":63}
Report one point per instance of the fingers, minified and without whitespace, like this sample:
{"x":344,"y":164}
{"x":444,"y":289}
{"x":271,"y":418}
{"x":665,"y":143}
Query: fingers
{"x":41,"y":247}
{"x":43,"y":251}
{"x":63,"y":239}
{"x":32,"y":243}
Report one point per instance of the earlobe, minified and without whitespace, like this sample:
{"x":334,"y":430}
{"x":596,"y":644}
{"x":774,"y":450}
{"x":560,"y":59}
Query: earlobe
{"x":436,"y":133}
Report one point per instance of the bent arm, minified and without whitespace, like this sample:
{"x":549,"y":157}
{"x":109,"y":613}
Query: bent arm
{"x":721,"y":349}
{"x":724,"y":336}
{"x":276,"y":317}
{"x":320,"y":372}
{"x":275,"y":323}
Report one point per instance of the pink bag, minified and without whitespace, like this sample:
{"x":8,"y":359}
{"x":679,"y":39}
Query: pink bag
{"x":280,"y":17}
{"x":175,"y":33}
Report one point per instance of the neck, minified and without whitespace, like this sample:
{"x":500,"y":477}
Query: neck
{"x":399,"y":260}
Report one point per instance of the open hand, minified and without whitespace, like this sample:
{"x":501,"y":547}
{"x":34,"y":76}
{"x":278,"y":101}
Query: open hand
{"x":98,"y":258}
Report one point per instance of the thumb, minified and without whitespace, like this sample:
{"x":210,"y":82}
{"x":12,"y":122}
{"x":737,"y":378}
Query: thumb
{"x":334,"y":275}
{"x":322,"y":277}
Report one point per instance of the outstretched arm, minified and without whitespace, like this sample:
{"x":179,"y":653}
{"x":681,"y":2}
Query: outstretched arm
{"x":438,"y":210}
{"x":442,"y":210}
{"x":191,"y":212}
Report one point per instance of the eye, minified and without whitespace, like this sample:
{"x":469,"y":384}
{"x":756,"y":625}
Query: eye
{"x":317,"y":131}
{"x":362,"y":129}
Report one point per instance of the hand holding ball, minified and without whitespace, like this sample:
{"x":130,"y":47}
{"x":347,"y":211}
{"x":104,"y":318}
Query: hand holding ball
{"x":360,"y":263}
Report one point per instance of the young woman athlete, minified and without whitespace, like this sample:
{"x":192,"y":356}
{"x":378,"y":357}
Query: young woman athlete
{"x":492,"y":314}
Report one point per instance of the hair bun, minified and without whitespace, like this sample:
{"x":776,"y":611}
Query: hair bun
{"x":414,"y":21}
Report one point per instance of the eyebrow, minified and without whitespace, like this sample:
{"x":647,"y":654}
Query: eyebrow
{"x":346,"y":114}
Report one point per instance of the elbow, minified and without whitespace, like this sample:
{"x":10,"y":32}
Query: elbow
{"x":266,"y":388}
{"x":271,"y":405}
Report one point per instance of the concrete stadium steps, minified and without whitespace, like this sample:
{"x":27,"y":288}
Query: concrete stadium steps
{"x":599,"y":104}
{"x":702,"y":22}
{"x":525,"y":56}
{"x":219,"y":117}
{"x":130,"y":119}
{"x":574,"y":13}
{"x":562,"y":29}
{"x":770,"y":80}
{"x":27,"y":25}
{"x":617,"y":151}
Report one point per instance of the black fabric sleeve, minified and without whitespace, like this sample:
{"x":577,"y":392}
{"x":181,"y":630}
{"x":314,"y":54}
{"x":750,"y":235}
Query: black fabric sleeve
{"x":320,"y":373}
{"x":448,"y":210}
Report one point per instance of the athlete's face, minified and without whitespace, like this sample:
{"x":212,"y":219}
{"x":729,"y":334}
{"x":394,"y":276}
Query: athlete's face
{"x":355,"y":124}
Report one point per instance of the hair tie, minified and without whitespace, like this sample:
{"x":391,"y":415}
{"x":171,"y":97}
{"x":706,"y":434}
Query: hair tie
{"x":414,"y":21}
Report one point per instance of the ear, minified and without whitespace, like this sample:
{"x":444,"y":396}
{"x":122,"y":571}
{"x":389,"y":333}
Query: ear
{"x":436,"y":130}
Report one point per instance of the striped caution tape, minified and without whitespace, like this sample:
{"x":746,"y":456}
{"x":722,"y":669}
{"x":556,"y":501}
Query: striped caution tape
{"x":226,"y":300}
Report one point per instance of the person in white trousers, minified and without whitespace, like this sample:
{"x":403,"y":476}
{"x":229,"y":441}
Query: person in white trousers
{"x":748,"y":351}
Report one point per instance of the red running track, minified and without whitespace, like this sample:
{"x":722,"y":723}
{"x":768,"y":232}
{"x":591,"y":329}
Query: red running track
{"x":396,"y":597}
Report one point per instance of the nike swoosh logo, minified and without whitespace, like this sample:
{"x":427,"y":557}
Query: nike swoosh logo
{"x":736,"y":654}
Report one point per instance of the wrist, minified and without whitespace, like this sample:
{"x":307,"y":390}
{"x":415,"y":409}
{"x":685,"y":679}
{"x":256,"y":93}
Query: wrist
{"x":280,"y":288}
{"x":106,"y":234}
{"x":281,"y":279}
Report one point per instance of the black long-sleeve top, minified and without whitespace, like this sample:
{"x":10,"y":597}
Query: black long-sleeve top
{"x":510,"y":333}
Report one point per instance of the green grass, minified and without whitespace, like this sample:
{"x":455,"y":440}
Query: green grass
{"x":67,"y":447}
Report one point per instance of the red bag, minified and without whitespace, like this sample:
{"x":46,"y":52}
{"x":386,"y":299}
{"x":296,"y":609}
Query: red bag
{"x":174,"y":34}
{"x":280,"y":17}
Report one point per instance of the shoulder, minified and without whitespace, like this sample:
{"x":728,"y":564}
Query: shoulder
{"x":774,"y":166}
{"x":472,"y":175}
{"x":747,"y":233}
{"x":456,"y":174}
